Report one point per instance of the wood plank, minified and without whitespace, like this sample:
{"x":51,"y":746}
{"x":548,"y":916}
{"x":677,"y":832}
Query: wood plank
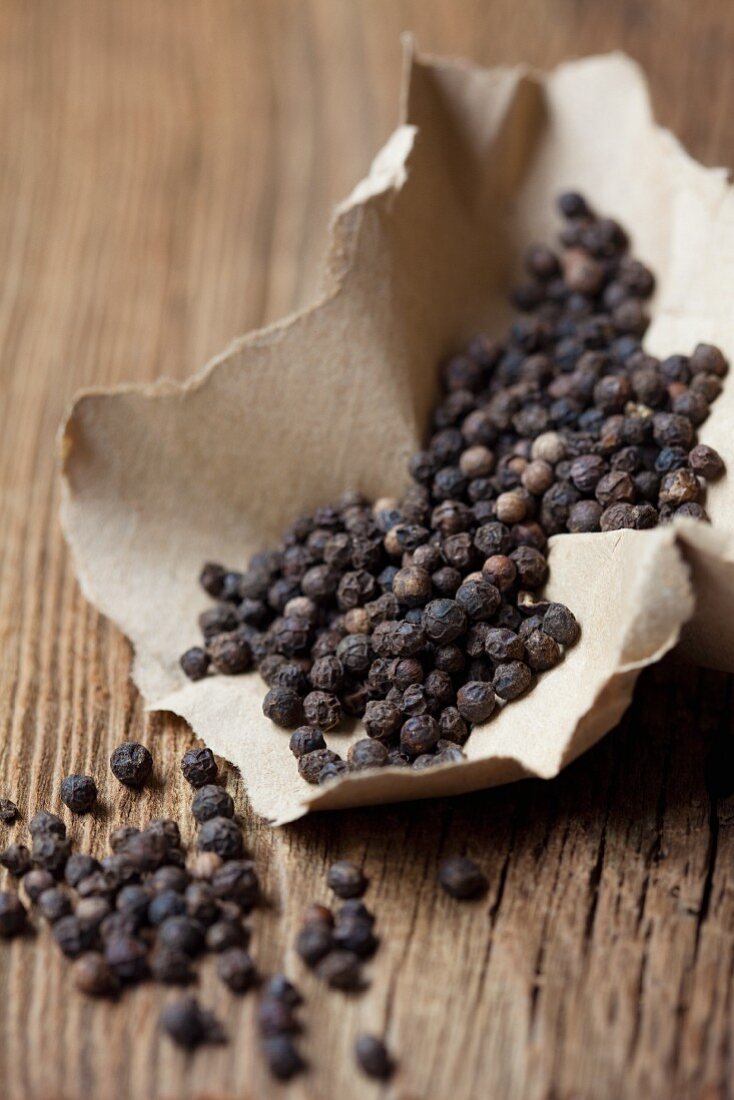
{"x":167,"y":176}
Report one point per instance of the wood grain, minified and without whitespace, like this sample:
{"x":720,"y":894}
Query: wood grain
{"x":167,"y":175}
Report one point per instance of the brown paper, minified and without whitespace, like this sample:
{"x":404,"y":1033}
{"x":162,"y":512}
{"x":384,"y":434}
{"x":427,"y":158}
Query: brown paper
{"x":158,"y":479}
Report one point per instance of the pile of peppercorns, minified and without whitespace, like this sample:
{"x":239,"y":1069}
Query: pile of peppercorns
{"x":146,"y":912}
{"x":423,"y":616}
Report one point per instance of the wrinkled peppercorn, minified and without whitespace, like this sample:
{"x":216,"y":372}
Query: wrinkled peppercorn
{"x":222,"y":836}
{"x":131,"y":763}
{"x":199,"y":767}
{"x":16,"y":859}
{"x":79,"y":793}
{"x":9,"y":812}
{"x":211,"y":801}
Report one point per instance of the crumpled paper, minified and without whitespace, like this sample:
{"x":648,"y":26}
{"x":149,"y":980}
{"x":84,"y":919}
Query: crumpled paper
{"x":158,"y":479}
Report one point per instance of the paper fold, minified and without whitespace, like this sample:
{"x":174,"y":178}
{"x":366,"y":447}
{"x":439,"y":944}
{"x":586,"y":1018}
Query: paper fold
{"x":157,"y":479}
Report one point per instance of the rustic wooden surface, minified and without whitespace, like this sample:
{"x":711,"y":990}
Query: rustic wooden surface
{"x":167,"y":172}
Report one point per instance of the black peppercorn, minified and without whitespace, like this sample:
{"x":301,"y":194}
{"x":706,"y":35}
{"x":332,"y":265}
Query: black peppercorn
{"x":237,"y":970}
{"x":16,"y":859}
{"x":211,"y":801}
{"x":127,"y":957}
{"x":419,"y":735}
{"x":12,"y":914}
{"x":282,"y":1057}
{"x":169,"y":966}
{"x":131,"y":763}
{"x":53,"y":904}
{"x":44,"y":823}
{"x":195,"y":662}
{"x":340,"y":970}
{"x":373,"y":1058}
{"x":475,"y":701}
{"x":189,"y":1025}
{"x":346,"y":879}
{"x":220,"y":835}
{"x":306,"y":739}
{"x":93,"y":975}
{"x":461,"y":877}
{"x":79,"y":793}
{"x":314,"y":941}
{"x":9,"y":812}
{"x":311,"y":764}
{"x":199,"y":767}
{"x":283,"y":706}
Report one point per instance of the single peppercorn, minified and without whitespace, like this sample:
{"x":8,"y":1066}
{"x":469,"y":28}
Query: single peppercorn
{"x":237,"y":970}
{"x":79,"y":793}
{"x":373,"y":1058}
{"x":9,"y":812}
{"x":220,"y":835}
{"x":211,"y":801}
{"x":16,"y":859}
{"x":346,"y":879}
{"x":93,"y":975}
{"x":340,"y":970}
{"x":131,"y":763}
{"x":190,"y":1025}
{"x":12,"y":914}
{"x":195,"y":662}
{"x":461,"y":877}
{"x":199,"y":766}
{"x":475,"y":701}
{"x":282,"y":1057}
{"x":283,"y":706}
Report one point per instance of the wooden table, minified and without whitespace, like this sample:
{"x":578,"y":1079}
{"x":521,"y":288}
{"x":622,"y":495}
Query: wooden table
{"x":167,"y":175}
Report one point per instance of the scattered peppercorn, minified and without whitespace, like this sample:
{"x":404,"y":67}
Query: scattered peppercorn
{"x":461,"y":877}
{"x":199,"y":767}
{"x":211,"y":801}
{"x":190,"y":1025}
{"x":79,"y":793}
{"x":131,"y":763}
{"x":372,"y":1057}
{"x":9,"y":812}
{"x":346,"y":879}
{"x":237,"y":970}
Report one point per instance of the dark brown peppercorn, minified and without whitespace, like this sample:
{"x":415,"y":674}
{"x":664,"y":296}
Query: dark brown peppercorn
{"x":542,"y":651}
{"x":93,"y":975}
{"x":306,"y":739}
{"x":12,"y":914}
{"x":561,"y":624}
{"x":220,"y":835}
{"x":461,"y":877}
{"x":372,"y":1057}
{"x":44,"y":823}
{"x":211,"y":801}
{"x":79,"y":793}
{"x":16,"y":859}
{"x":237,"y":881}
{"x":9,"y":812}
{"x":35,"y":882}
{"x":73,"y":936}
{"x":311,"y":764}
{"x":282,"y":1057}
{"x":54,"y":904}
{"x":195,"y":663}
{"x":283,"y":706}
{"x":346,"y":879}
{"x":237,"y":970}
{"x":183,"y":934}
{"x":706,"y":462}
{"x":199,"y":767}
{"x":314,"y":941}
{"x":170,"y":967}
{"x":322,"y":709}
{"x":419,"y":735}
{"x":224,"y":934}
{"x":51,"y":852}
{"x":131,"y":763}
{"x":127,"y":957}
{"x":367,"y":753}
{"x":189,"y":1025}
{"x":511,"y":679}
{"x":341,"y":970}
{"x":475,"y":701}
